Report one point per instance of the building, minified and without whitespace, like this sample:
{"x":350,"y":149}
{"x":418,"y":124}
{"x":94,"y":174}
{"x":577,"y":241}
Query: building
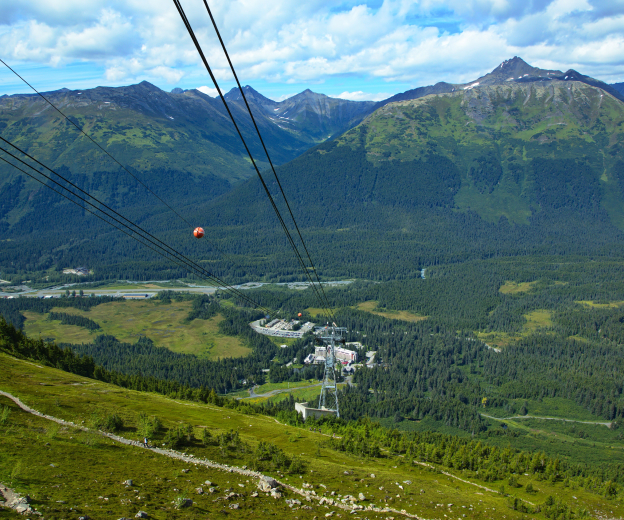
{"x":306,"y":411}
{"x":341,"y":354}
{"x":281,"y":328}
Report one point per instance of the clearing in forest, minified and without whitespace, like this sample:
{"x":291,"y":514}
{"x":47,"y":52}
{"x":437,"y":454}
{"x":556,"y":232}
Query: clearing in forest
{"x":371,"y":306}
{"x":128,"y":320}
{"x":515,"y":288}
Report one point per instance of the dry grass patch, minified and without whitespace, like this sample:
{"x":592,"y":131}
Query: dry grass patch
{"x":370,"y":306}
{"x":510,"y":287}
{"x":128,"y":320}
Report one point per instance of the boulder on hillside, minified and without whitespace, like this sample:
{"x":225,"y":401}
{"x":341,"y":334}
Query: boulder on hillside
{"x":266,"y":484}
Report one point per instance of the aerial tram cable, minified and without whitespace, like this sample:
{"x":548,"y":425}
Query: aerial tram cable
{"x":132,"y":233}
{"x":187,"y":24}
{"x":190,"y":265}
{"x":240,"y":88}
{"x":94,"y":142}
{"x":94,"y":213}
{"x":198,"y":232}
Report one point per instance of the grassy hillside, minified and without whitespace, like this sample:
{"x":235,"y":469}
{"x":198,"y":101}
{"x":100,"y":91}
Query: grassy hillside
{"x":36,"y":452}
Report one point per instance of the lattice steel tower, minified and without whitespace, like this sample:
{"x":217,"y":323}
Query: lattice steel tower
{"x":329,"y":391}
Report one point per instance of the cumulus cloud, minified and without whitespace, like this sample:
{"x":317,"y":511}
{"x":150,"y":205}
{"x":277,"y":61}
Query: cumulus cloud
{"x":294,"y":42}
{"x":363,"y":96}
{"x":209,"y":91}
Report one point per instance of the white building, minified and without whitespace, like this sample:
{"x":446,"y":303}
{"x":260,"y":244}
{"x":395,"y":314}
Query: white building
{"x":341,"y":354}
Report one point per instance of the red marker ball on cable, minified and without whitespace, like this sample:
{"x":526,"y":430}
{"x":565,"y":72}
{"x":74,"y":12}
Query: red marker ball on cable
{"x":199,"y":232}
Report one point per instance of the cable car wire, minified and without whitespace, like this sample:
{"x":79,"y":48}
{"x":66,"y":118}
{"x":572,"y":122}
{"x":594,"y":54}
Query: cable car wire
{"x":240,"y":88}
{"x":95,"y":214}
{"x":94,"y":142}
{"x":190,"y":264}
{"x":266,"y":189}
{"x":189,"y":29}
{"x":133,"y":233}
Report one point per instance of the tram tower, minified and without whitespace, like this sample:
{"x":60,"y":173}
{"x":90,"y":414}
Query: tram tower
{"x":330,"y":336}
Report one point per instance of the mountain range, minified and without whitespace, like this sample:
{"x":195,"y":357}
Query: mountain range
{"x":522,"y":160}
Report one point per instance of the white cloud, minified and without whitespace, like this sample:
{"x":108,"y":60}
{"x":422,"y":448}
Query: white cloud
{"x":363,"y":96}
{"x":209,"y":91}
{"x":294,"y":42}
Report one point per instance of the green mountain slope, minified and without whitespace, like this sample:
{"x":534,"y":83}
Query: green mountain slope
{"x":506,"y":168}
{"x":497,"y":170}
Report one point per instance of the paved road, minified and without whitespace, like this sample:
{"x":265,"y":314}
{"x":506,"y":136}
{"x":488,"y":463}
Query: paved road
{"x":57,"y":291}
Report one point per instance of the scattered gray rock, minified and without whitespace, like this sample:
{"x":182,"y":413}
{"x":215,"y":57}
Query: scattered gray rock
{"x":408,"y":482}
{"x":208,"y":483}
{"x":85,"y":517}
{"x":361,"y":496}
{"x":267,"y":484}
{"x":211,"y":490}
{"x":372,"y":475}
{"x":185,"y":470}
{"x":141,"y":514}
{"x":293,"y":502}
{"x":199,"y":491}
{"x":234,"y":506}
{"x":254,"y":494}
{"x":127,"y":482}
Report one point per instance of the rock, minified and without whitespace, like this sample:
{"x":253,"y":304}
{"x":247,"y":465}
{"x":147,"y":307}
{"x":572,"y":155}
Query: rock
{"x":276,"y":494}
{"x":234,"y":506}
{"x":85,"y":517}
{"x":254,"y":494}
{"x":199,"y":491}
{"x":185,"y":470}
{"x":408,"y":482}
{"x":141,"y":514}
{"x":211,"y":490}
{"x":266,"y":484}
{"x":361,"y":496}
{"x":293,"y":502}
{"x":208,"y":483}
{"x":372,"y":475}
{"x":127,"y":482}
{"x":184,"y":502}
{"x":327,"y":515}
{"x":347,"y":473}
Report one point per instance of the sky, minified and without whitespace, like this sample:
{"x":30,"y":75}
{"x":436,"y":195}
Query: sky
{"x":352,"y":49}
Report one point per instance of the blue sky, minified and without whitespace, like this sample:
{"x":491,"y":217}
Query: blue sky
{"x":351,"y":49}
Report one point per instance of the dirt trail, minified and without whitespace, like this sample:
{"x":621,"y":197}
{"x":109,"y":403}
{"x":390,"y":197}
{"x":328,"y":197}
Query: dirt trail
{"x":306,"y":494}
{"x":607,"y":424}
{"x":253,"y":394}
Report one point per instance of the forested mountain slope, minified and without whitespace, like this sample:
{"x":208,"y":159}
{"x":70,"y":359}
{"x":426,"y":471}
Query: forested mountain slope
{"x":502,"y":169}
{"x":505,"y":168}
